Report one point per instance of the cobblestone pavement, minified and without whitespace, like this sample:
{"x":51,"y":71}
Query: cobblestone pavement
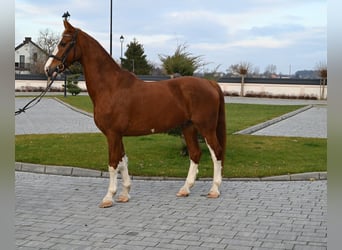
{"x":50,"y":116}
{"x":310,"y":123}
{"x":61,"y":212}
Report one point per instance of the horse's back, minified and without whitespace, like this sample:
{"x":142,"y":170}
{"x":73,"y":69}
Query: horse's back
{"x":197,"y":91}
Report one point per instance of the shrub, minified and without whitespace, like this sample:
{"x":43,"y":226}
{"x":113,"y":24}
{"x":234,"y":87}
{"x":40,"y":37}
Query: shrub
{"x":72,"y":87}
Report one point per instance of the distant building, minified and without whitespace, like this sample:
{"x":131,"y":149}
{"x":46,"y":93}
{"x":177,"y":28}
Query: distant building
{"x":29,"y":57}
{"x":307,"y":74}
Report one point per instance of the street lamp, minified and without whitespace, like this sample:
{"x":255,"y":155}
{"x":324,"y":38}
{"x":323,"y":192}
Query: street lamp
{"x":121,"y":41}
{"x":111,"y":27}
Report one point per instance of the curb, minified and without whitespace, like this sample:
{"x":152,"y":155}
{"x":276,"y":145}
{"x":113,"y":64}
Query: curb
{"x":73,"y":108}
{"x":82,"y":172}
{"x":263,"y":125}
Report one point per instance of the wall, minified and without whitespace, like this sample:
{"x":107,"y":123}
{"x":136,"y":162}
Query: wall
{"x":23,"y":84}
{"x":274,"y":89}
{"x":292,"y":90}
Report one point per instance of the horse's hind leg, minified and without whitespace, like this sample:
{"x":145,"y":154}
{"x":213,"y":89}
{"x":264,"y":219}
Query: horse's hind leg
{"x":216,"y":154}
{"x":190,"y":136}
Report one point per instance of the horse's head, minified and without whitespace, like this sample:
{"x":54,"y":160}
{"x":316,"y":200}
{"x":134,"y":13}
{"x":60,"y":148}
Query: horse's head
{"x":65,"y":53}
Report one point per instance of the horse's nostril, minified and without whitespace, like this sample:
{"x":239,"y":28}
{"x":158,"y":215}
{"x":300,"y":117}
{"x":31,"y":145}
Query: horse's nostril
{"x":47,"y":71}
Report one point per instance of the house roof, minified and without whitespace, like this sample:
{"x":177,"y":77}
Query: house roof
{"x":27,"y":41}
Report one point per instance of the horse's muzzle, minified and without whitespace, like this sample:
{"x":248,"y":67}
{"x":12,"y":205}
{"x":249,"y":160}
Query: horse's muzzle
{"x":53,"y":72}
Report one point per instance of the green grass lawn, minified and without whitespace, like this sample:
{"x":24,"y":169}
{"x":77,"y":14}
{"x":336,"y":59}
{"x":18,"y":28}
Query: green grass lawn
{"x":79,"y":101}
{"x":159,"y":155}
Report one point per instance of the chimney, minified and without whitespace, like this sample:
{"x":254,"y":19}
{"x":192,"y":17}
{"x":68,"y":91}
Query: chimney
{"x":27,"y":39}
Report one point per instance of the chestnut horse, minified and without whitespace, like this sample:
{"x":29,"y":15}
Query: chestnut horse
{"x":126,"y":106}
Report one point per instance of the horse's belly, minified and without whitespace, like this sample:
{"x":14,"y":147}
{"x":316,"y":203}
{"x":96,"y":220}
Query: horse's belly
{"x":152,"y":124}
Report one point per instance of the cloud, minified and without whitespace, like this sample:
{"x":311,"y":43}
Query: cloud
{"x":222,"y":31}
{"x":262,"y":42}
{"x":253,"y":43}
{"x":155,"y":39}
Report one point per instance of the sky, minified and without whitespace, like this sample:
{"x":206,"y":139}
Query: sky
{"x":290,"y":34}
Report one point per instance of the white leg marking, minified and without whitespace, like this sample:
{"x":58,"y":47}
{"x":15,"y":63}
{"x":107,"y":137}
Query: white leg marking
{"x":126,"y":180}
{"x":217,"y":172}
{"x":193,"y":171}
{"x":190,"y":180}
{"x":108,"y":199}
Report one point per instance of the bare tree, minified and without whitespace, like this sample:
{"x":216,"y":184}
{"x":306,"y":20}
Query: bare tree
{"x":256,"y":72}
{"x":213,"y":74}
{"x":47,"y":40}
{"x":233,"y":69}
{"x":243,"y":69}
{"x":322,"y":69}
{"x":270,"y":70}
{"x":37,"y":64}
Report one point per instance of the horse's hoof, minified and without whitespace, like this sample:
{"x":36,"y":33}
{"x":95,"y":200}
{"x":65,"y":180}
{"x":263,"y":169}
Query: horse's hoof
{"x":182,"y":193}
{"x":122,"y":199}
{"x":105,"y":204}
{"x":213,"y":194}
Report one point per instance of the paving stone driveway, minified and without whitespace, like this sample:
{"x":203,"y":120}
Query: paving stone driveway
{"x":60,"y":212}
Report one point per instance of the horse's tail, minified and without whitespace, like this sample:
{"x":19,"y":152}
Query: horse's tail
{"x":221,"y":123}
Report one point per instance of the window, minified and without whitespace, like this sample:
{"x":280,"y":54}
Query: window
{"x":35,"y":57}
{"x":22,"y":61}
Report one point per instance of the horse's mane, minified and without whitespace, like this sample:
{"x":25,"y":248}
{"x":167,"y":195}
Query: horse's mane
{"x":110,"y":59}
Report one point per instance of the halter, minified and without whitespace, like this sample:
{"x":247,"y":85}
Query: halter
{"x":62,"y":59}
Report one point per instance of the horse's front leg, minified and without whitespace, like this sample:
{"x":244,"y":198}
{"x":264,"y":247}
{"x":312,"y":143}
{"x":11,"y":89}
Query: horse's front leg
{"x":107,"y":201}
{"x":118,"y":162}
{"x":126,"y":180}
{"x":190,"y":180}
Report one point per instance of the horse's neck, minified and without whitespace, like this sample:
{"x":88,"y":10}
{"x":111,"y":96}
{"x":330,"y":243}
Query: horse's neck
{"x":98,"y":66}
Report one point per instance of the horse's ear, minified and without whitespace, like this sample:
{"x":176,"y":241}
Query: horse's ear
{"x":68,"y":26}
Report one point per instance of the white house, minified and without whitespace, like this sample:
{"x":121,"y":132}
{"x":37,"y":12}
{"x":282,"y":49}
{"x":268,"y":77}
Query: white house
{"x":29,"y":57}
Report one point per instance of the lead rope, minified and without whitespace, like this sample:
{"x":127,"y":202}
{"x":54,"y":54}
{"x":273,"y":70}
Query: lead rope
{"x":35,"y":100}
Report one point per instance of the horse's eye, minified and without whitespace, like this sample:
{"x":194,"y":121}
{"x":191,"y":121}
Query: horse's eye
{"x":62,"y":44}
